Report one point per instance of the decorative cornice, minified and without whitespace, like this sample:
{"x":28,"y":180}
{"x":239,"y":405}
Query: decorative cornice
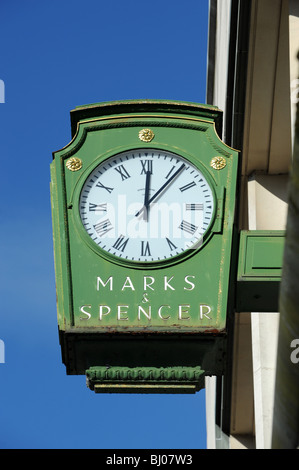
{"x":165,"y":379}
{"x":118,"y":122}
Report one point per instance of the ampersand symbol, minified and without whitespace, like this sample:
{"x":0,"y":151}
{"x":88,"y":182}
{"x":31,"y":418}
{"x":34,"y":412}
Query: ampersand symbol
{"x":145,"y":299}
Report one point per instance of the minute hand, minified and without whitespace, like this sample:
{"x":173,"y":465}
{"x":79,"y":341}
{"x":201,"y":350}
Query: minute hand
{"x":175,"y":174}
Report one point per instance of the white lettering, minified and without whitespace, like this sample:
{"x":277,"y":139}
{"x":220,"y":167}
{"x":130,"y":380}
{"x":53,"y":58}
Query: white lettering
{"x":295,"y":354}
{"x":183,"y":309}
{"x":2,"y":92}
{"x":166,"y":283}
{"x":2,"y":351}
{"x":130,"y":284}
{"x":119,"y":460}
{"x":147,"y":284}
{"x":148,"y":315}
{"x":190,"y":283}
{"x":99,"y":280}
{"x":160,"y":312}
{"x":203,"y":313}
{"x":122,"y":312}
{"x":82,"y":309}
{"x":101,"y":311}
{"x":170,"y":313}
{"x":134,"y":228}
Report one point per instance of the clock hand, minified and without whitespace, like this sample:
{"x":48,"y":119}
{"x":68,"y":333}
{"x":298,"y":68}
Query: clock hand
{"x":146,"y":196}
{"x":176,"y":173}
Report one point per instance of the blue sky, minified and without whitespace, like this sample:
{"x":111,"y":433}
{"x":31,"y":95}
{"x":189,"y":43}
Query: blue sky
{"x":55,"y":55}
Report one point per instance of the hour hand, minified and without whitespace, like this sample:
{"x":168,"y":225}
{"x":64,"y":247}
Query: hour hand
{"x":146,"y":196}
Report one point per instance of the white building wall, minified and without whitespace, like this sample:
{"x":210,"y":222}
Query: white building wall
{"x":271,"y":95}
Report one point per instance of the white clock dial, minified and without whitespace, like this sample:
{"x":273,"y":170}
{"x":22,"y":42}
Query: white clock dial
{"x":146,"y":205}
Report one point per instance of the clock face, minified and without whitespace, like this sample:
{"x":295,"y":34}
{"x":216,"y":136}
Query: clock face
{"x":146,"y":205}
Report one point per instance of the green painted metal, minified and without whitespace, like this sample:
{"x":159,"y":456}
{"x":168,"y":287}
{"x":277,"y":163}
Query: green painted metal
{"x":172,"y":314}
{"x":145,"y":379}
{"x":152,"y":107}
{"x":259,"y":270}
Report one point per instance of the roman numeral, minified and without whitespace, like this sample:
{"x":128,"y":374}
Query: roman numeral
{"x":120,"y":243}
{"x":194,"y":207}
{"x":187,"y":227}
{"x":98,"y":207}
{"x":170,"y":244}
{"x":146,"y":165}
{"x":187,"y":186}
{"x":101,"y":185}
{"x":103,"y":227}
{"x":145,"y":249}
{"x":123,"y":172}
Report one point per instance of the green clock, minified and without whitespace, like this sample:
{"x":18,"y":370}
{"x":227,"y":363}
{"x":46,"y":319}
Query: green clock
{"x":146,"y":205}
{"x":143,"y":202}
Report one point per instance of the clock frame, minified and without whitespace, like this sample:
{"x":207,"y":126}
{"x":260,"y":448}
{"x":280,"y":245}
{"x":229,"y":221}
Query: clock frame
{"x":170,"y":313}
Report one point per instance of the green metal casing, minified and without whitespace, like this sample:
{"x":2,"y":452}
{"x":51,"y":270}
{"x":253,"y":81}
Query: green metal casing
{"x":259,"y":270}
{"x":193,"y":334}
